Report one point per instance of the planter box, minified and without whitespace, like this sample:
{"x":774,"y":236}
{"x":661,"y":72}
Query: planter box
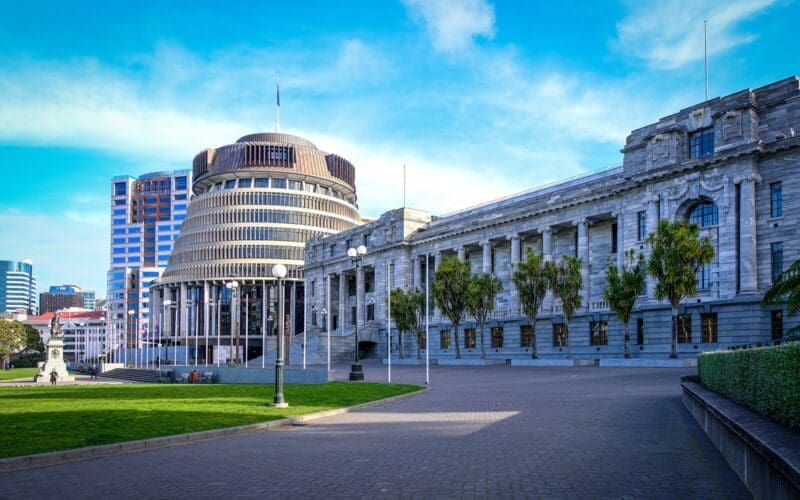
{"x":649,"y":363}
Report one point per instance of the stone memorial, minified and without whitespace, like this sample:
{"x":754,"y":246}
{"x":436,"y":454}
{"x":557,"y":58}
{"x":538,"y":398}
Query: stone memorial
{"x":55,"y":356}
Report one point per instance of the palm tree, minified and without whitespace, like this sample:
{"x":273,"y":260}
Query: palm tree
{"x":481,"y":292}
{"x":677,"y":253}
{"x":566,"y":283}
{"x":531,"y":279}
{"x":623,"y":287}
{"x":787,"y":287}
{"x":449,"y":292}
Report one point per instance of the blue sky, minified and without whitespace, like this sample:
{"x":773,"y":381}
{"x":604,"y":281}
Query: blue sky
{"x":479,"y":99}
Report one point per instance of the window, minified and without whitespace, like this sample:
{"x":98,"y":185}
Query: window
{"x":353,"y":315}
{"x":119,"y":230}
{"x":119,"y":202}
{"x":684,"y":328}
{"x":135,"y":239}
{"x":640,"y":331}
{"x":703,"y":277}
{"x":641,"y":225}
{"x":120,"y":188}
{"x":230,"y":184}
{"x":118,"y":260}
{"x":497,"y":337}
{"x":370,"y":312}
{"x":775,"y":199}
{"x":118,"y":240}
{"x":180,"y":206}
{"x":279,"y":183}
{"x":708,"y":327}
{"x":469,"y":338}
{"x":351,"y":286}
{"x":444,"y":339}
{"x":704,"y":214}
{"x":180,"y":197}
{"x":119,"y":221}
{"x":614,"y":237}
{"x":262,"y":182}
{"x":245,"y":183}
{"x":776,"y":256}
{"x":180,"y":183}
{"x":119,"y":211}
{"x":525,"y":336}
{"x":777,"y":324}
{"x":598,"y":333}
{"x":701,"y":143}
{"x":559,"y":334}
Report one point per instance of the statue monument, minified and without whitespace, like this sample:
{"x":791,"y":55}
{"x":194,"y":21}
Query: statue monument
{"x":55,"y":356}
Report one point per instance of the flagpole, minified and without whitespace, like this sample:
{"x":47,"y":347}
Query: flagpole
{"x":404,"y":185}
{"x":389,"y":320}
{"x":705,"y":53}
{"x":328,"y":317}
{"x":427,"y":325}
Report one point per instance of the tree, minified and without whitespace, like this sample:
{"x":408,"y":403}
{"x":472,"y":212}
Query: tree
{"x":532,"y":279}
{"x":677,"y":253}
{"x":12,"y":338}
{"x":449,"y":292}
{"x":418,"y":298}
{"x":404,"y":312}
{"x":623,"y":287}
{"x":33,"y":340}
{"x":481,"y":292}
{"x":566,"y":283}
{"x":787,"y":287}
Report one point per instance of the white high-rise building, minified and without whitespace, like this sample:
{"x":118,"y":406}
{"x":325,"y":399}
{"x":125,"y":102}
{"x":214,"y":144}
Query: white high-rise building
{"x":18,"y":287}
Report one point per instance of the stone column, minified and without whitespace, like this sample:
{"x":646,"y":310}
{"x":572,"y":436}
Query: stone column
{"x":360,"y":302}
{"x":461,"y":253}
{"x":183,"y":311}
{"x":547,"y":242}
{"x":652,"y":224}
{"x":487,"y":256}
{"x":513,"y":296}
{"x":206,"y":309}
{"x":342,"y":301}
{"x":437,"y":259}
{"x":748,"y":272}
{"x":620,"y":239}
{"x":417,"y":272}
{"x":515,"y":250}
{"x":583,"y":254}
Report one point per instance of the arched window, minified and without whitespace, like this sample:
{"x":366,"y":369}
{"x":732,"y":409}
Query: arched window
{"x":704,"y":214}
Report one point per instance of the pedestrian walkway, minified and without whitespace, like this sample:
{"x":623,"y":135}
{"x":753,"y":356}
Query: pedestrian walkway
{"x":496,"y":431}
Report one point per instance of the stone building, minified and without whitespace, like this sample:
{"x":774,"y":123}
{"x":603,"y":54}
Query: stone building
{"x":730,"y":164}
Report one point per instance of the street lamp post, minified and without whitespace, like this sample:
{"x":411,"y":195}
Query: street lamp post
{"x":127,"y":334}
{"x":356,"y":255}
{"x":233,"y":286}
{"x":279,"y":272}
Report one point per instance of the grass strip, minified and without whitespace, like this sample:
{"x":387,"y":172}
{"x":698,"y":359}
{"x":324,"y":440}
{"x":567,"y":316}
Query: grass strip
{"x":42,"y":419}
{"x":18,"y":373}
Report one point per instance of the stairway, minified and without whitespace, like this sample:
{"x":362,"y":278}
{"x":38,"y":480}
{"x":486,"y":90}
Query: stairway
{"x":132,"y":375}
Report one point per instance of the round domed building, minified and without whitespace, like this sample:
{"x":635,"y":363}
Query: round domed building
{"x":255,"y":204}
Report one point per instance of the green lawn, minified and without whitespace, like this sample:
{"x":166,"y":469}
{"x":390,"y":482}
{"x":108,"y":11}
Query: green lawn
{"x":40,"y":419}
{"x":18,"y":373}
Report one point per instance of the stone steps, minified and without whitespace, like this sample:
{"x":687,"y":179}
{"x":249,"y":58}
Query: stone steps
{"x":133,"y":375}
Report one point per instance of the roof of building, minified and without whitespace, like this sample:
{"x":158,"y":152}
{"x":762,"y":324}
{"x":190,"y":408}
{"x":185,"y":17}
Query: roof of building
{"x":67,"y":314}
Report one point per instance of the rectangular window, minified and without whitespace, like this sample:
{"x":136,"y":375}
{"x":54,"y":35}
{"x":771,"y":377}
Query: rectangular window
{"x":119,"y":221}
{"x":119,"y":211}
{"x":119,"y":202}
{"x":230,"y":184}
{"x":703,"y":276}
{"x":180,"y":206}
{"x":640,"y":331}
{"x":180,"y":197}
{"x":353,"y":315}
{"x":351,"y":286}
{"x":708,"y":326}
{"x":245,"y":183}
{"x":135,"y":239}
{"x":776,"y":317}
{"x":118,"y":260}
{"x":684,"y":328}
{"x":497,"y":337}
{"x":262,"y":182}
{"x":469,"y":338}
{"x":525,"y":336}
{"x":163,"y":227}
{"x":120,"y":188}
{"x":180,"y":183}
{"x":776,"y":254}
{"x":641,"y":225}
{"x":164,"y":248}
{"x":559,"y":334}
{"x":444,"y":339}
{"x":119,"y":230}
{"x":118,"y":240}
{"x":775,"y":199}
{"x":296,"y":185}
{"x":701,"y":143}
{"x":614,"y":237}
{"x":279,"y":183}
{"x":164,"y":237}
{"x":370,"y":312}
{"x":598,"y":333}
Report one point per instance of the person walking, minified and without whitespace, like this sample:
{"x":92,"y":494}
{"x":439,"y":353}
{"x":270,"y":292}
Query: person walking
{"x":53,"y":377}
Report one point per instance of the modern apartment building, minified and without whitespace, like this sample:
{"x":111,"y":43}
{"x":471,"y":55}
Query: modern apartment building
{"x":18,"y":287}
{"x":146,"y":217}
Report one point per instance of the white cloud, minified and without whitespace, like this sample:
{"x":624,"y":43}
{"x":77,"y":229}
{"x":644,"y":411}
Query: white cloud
{"x":453,"y":24}
{"x":669,"y":34}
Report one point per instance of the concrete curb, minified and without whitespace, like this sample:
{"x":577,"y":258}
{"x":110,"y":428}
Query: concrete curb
{"x":106,"y":450}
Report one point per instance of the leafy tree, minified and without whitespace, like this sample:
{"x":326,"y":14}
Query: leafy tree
{"x":481,"y":292}
{"x":787,"y":287}
{"x":566,"y":283}
{"x":623,"y":287}
{"x":449,"y":292}
{"x":12,"y":338}
{"x":677,"y":253}
{"x":532,"y":279}
{"x":418,"y":298}
{"x":404,"y":312}
{"x":33,"y":340}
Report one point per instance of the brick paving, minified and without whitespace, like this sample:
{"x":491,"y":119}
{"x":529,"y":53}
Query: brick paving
{"x":495,"y":431}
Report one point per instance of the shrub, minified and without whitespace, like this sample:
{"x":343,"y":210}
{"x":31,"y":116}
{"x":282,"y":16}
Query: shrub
{"x":765,"y":379}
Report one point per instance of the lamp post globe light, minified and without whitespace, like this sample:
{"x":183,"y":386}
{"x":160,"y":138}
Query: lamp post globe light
{"x":279,"y":272}
{"x":356,"y":255}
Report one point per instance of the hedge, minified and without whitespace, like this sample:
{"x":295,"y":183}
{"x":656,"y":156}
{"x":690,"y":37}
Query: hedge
{"x":765,"y":379}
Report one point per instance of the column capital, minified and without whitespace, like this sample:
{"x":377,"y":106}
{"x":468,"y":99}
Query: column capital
{"x":578,"y":222}
{"x":545,"y":229}
{"x":750,"y":177}
{"x":514,"y":236}
{"x":615,"y":214}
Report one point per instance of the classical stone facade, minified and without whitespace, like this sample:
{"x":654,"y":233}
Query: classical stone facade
{"x":731,"y":164}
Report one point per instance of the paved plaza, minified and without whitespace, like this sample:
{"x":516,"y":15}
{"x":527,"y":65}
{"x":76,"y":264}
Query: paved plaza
{"x":495,"y":431}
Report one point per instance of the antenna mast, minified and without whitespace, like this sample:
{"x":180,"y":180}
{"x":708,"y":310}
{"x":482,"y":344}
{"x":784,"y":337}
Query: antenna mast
{"x":277,"y":105}
{"x":705,"y":53}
